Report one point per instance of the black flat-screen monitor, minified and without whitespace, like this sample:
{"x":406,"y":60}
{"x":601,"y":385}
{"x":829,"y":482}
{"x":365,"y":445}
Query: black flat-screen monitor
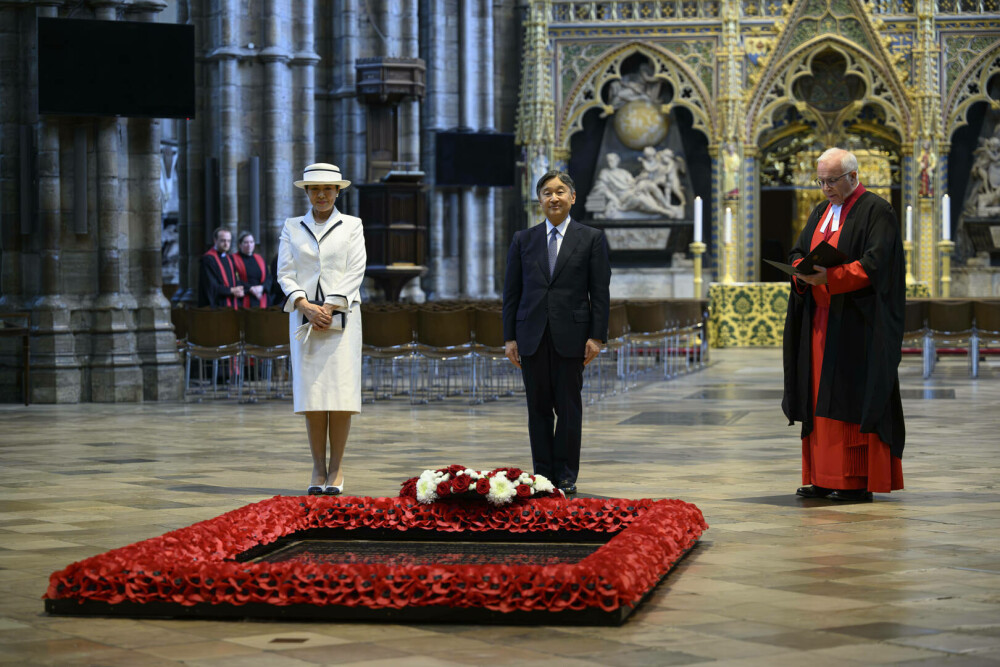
{"x":475,"y":158}
{"x":115,"y":68}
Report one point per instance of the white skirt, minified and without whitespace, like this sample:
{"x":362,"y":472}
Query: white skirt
{"x":326,"y":369}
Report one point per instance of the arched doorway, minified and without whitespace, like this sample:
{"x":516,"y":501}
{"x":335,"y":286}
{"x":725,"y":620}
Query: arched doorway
{"x":826,"y":105}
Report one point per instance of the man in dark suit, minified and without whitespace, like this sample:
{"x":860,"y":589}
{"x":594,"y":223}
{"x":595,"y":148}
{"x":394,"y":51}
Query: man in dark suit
{"x":556,"y":298}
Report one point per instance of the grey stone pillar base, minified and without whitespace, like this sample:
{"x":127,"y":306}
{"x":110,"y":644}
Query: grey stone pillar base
{"x":115,"y":373}
{"x":162,"y":374}
{"x":55,"y":368}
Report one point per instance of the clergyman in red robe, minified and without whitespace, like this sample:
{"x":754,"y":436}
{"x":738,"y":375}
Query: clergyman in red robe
{"x":843,"y":340}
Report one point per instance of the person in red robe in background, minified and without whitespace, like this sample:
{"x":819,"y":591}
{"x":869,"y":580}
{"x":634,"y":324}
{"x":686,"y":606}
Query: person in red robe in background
{"x":843,"y":340}
{"x":218,"y":286}
{"x":252,"y":274}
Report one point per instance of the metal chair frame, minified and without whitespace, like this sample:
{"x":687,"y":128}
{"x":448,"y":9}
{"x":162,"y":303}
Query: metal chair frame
{"x":210,"y":338}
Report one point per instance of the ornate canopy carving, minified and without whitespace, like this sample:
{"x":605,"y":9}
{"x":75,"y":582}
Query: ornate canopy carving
{"x":688,"y":90}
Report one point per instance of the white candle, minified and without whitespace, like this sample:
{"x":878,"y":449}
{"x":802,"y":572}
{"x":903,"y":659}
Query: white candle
{"x":909,"y":223}
{"x":728,"y":235}
{"x":946,"y":218}
{"x":697,"y":219}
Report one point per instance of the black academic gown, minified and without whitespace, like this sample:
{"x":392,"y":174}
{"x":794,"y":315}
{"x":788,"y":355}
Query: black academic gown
{"x":859,"y":381}
{"x":250,"y":273}
{"x":217,"y":277}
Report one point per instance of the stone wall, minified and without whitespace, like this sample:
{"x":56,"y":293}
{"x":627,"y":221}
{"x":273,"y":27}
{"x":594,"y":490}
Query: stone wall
{"x":81,"y":235}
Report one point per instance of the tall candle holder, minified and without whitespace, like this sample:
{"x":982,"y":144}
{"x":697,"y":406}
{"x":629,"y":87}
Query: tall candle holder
{"x":727,"y":236}
{"x":697,"y":250}
{"x":946,"y":248}
{"x":908,"y":250}
{"x":727,"y":277}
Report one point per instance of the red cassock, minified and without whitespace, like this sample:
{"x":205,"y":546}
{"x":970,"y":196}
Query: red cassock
{"x":251,"y":272}
{"x":836,"y":455}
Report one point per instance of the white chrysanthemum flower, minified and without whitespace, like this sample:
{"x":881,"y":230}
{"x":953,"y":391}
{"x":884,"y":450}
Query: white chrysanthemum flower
{"x":502,"y":490}
{"x":525,"y":478}
{"x":471,"y":473}
{"x":444,"y":478}
{"x":426,"y":490}
{"x":543,"y":485}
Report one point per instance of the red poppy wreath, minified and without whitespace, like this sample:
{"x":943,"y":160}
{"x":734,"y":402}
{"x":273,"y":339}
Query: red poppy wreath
{"x":202,"y":569}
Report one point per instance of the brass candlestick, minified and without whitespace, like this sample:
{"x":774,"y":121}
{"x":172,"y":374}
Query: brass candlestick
{"x":946,"y":248}
{"x":727,"y":277}
{"x":697,"y":250}
{"x":908,"y":250}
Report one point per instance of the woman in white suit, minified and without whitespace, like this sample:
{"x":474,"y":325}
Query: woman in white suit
{"x":321,"y":263}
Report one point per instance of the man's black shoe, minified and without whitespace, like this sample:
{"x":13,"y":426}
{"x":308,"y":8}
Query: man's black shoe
{"x":813,"y":491}
{"x":852,"y":495}
{"x":567,"y":487}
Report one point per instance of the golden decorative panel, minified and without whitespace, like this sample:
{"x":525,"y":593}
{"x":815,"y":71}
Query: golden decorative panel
{"x":747,"y":314}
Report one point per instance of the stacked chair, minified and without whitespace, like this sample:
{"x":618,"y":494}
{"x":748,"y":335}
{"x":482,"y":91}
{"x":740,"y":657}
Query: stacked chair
{"x":649,"y":336}
{"x":213,"y":336}
{"x":985,"y":331}
{"x":915,"y":331}
{"x":942,"y":327}
{"x":667,"y":336}
{"x":388,"y":349}
{"x":432,"y":351}
{"x":687,"y":319}
{"x":445,"y":354}
{"x":268,"y":370}
{"x":612,"y":368}
{"x":496,"y":375}
{"x":949,"y":328}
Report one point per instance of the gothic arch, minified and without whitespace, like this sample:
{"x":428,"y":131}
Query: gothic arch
{"x":586,"y":93}
{"x":971,"y":87}
{"x":774,"y":89}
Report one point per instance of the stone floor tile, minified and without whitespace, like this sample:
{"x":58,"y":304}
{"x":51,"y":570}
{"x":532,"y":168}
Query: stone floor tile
{"x":285,"y":641}
{"x":952,"y":642}
{"x":196,"y":650}
{"x":878,"y":654}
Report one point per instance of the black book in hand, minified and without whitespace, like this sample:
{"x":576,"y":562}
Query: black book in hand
{"x":824,"y":255}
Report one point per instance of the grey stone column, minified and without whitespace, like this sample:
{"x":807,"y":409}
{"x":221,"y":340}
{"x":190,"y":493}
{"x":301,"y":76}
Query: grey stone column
{"x":191,"y":161}
{"x":55,"y":369}
{"x":155,"y":339}
{"x":278,"y":169}
{"x":409,"y":112}
{"x":303,"y":65}
{"x":228,"y":112}
{"x":408,"y":22}
{"x":440,"y":115}
{"x":115,"y":374}
{"x":15,"y":43}
{"x":348,"y":115}
{"x":468,"y":104}
{"x":487,"y":208}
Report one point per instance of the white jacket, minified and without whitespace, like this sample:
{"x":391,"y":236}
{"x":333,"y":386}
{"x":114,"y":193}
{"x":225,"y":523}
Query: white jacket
{"x":334,"y":263}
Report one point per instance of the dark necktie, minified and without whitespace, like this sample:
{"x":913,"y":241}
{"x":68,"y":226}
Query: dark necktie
{"x":553,"y":249}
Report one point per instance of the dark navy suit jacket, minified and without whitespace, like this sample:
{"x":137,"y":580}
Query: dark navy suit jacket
{"x":574,"y":302}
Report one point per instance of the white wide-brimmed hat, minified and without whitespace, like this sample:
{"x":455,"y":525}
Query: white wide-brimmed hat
{"x":322,"y":173}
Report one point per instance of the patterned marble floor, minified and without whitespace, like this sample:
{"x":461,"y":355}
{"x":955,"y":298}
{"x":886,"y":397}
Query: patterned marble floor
{"x":911,"y":579}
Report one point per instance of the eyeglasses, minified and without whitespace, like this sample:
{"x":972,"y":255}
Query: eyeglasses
{"x":823,"y":182}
